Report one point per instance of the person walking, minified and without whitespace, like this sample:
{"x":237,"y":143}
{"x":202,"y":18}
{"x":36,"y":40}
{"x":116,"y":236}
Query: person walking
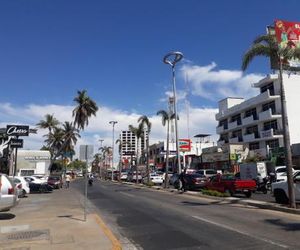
{"x":68,"y":179}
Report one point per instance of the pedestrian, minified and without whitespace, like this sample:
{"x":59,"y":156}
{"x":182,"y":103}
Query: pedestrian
{"x":182,"y":180}
{"x":68,"y":179}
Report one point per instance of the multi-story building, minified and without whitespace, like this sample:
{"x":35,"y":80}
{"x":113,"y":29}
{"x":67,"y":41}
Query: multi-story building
{"x":257,"y":122}
{"x":129,"y":146}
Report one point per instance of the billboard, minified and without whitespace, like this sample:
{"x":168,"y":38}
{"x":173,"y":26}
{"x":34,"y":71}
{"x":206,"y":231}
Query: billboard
{"x":288,"y":34}
{"x":184,"y":145}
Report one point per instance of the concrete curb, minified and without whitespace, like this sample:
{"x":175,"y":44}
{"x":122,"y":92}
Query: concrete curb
{"x":254,"y":203}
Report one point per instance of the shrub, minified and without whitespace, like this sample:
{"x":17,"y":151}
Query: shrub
{"x":214,"y":193}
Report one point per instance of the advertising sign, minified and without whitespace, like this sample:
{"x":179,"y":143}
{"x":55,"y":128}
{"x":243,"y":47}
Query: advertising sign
{"x":184,"y":145}
{"x":17,"y":130}
{"x":288,"y":34}
{"x":16,"y":143}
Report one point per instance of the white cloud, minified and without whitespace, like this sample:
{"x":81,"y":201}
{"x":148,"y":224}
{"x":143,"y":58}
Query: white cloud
{"x":215,"y":84}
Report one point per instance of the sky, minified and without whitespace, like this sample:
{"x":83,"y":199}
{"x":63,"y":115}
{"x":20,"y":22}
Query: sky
{"x":114,"y":49}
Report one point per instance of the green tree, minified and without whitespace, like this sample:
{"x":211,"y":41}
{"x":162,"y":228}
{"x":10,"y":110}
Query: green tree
{"x":166,"y":117}
{"x":49,"y":123}
{"x":267,"y":46}
{"x":85,"y":108}
{"x":146,"y":124}
{"x":71,"y":134}
{"x":138,"y":132}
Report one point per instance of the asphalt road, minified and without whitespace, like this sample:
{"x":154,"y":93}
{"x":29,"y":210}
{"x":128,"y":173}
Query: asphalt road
{"x":162,"y":220}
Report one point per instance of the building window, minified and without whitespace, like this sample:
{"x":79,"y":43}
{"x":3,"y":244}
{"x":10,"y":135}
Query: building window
{"x":224,"y":137}
{"x":238,"y":134}
{"x":251,"y":112}
{"x":269,"y":105}
{"x":252,"y":130}
{"x":272,"y":144}
{"x":237,"y":118}
{"x":267,"y":87}
{"x":253,"y":145}
{"x":223,"y":123}
{"x":270,"y":125}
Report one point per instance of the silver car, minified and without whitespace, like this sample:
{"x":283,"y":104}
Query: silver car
{"x":8,"y":193}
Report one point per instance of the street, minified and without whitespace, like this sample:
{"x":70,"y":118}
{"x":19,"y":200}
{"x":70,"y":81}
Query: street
{"x":153,"y":219}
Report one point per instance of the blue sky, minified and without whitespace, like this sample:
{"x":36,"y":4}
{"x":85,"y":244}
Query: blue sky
{"x":50,"y":49}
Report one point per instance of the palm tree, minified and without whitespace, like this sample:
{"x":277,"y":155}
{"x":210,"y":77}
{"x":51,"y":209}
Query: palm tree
{"x":138,"y":132}
{"x":267,"y":46}
{"x":50,"y":123}
{"x":166,"y":117}
{"x":145,"y":123}
{"x":55,"y":142}
{"x":70,"y":136}
{"x":105,"y":153}
{"x":84,"y":110}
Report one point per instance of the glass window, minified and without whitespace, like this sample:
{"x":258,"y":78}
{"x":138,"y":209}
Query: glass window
{"x":253,"y":145}
{"x":251,"y":112}
{"x":273,"y":143}
{"x":270,"y":125}
{"x":269,"y":87}
{"x":269,"y":105}
{"x":237,"y":118}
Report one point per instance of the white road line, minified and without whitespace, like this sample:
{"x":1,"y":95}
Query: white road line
{"x":240,"y":232}
{"x":129,"y":195}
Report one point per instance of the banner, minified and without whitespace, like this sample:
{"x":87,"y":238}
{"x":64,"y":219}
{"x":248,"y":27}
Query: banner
{"x":184,"y":145}
{"x":288,"y":34}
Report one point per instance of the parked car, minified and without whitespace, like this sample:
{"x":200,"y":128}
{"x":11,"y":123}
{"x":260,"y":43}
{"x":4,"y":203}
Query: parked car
{"x":132,"y":176}
{"x":207,"y":172}
{"x":195,"y":181}
{"x":173,"y":179}
{"x":34,"y":179}
{"x":55,"y":181}
{"x":25,"y":185}
{"x":124,"y":175}
{"x":154,"y":178}
{"x":280,"y":189}
{"x":8,"y":193}
{"x":40,"y":187}
{"x":228,"y":183}
{"x":279,"y":171}
{"x":283,"y":176}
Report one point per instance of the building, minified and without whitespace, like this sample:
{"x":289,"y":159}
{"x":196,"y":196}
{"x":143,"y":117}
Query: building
{"x":31,"y":162}
{"x":129,"y":146}
{"x":256,"y":123}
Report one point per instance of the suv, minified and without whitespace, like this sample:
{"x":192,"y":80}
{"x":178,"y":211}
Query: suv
{"x":208,"y":173}
{"x":55,"y":181}
{"x":8,"y":193}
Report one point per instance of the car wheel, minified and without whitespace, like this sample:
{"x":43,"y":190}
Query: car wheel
{"x":280,"y":196}
{"x":42,"y":189}
{"x":248,"y":194}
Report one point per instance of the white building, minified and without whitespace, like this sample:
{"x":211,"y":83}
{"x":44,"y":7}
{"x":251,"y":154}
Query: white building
{"x":257,"y":122}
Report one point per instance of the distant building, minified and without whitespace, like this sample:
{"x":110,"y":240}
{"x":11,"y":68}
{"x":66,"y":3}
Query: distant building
{"x":256,"y":123}
{"x":31,"y":162}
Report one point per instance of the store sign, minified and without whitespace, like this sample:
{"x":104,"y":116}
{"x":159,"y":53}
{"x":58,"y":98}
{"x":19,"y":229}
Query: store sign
{"x":16,"y":143}
{"x":184,"y":145}
{"x":17,"y":130}
{"x":288,"y":35}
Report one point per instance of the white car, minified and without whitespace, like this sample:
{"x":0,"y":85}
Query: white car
{"x":155,"y":178}
{"x":34,"y":179}
{"x":280,"y":189}
{"x":25,"y":185}
{"x":8,"y":193}
{"x":281,"y":170}
{"x":283,"y":176}
{"x":124,"y":175}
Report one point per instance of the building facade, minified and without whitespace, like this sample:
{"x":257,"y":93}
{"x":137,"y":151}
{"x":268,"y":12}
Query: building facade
{"x":256,"y":123}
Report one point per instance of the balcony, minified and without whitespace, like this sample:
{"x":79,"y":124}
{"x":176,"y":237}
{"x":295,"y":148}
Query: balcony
{"x":267,"y":115}
{"x":271,"y":133}
{"x":248,"y":120}
{"x":249,"y":137}
{"x":220,"y":129}
{"x":232,"y":125}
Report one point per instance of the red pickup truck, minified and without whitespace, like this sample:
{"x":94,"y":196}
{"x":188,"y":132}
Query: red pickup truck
{"x":228,"y":183}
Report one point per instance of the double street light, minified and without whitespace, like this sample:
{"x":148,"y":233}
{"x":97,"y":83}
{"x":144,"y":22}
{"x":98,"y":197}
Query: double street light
{"x":113,"y":140}
{"x":172,"y":58}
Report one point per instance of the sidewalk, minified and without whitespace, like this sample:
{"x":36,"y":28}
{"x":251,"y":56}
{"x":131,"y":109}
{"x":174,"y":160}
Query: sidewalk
{"x":54,"y":221}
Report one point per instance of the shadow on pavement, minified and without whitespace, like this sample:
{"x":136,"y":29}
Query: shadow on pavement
{"x":284,"y":225}
{"x":6,"y":216}
{"x":69,"y":216}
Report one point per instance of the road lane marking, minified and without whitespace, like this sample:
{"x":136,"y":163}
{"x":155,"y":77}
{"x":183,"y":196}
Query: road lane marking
{"x":239,"y":231}
{"x":129,"y":195}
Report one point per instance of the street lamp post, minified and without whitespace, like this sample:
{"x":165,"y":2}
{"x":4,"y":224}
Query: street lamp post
{"x":101,"y":164}
{"x":113,"y":139}
{"x":172,"y":58}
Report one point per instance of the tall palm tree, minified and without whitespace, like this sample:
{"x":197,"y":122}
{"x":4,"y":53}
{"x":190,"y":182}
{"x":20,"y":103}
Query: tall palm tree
{"x":146,"y":124}
{"x":49,"y":123}
{"x":85,"y":108}
{"x":70,"y":136}
{"x":166,"y":117}
{"x":138,"y":132}
{"x":267,"y":46}
{"x":55,"y":142}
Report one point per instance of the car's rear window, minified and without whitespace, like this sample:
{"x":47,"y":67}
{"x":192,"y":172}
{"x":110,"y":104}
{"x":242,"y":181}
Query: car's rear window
{"x":211,"y":172}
